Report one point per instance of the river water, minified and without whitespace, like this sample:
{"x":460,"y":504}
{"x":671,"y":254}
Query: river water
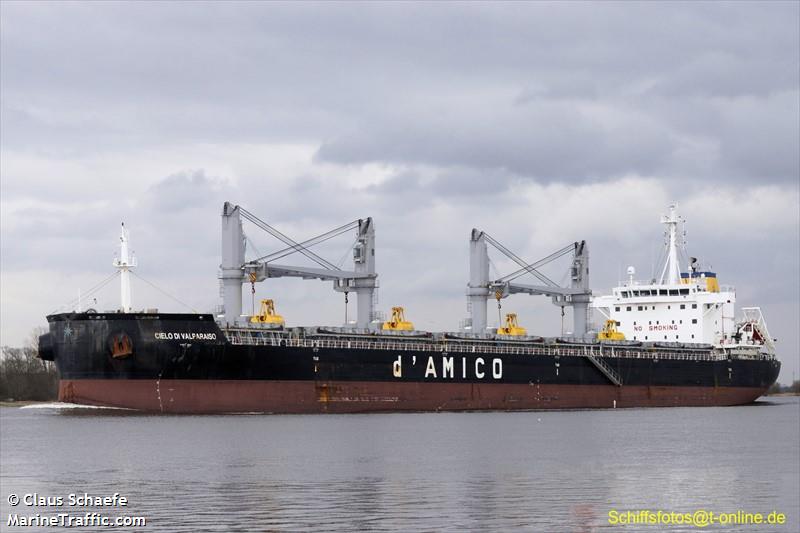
{"x":536,"y":471}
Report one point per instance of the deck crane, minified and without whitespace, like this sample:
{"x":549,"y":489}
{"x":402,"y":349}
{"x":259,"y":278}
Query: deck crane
{"x":235,"y":271}
{"x":481,"y":288}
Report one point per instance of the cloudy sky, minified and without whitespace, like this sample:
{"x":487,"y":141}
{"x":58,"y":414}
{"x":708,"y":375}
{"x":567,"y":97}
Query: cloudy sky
{"x":540,"y":123}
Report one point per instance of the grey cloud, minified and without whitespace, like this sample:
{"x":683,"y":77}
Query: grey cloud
{"x":760,"y":139}
{"x":546,"y":142}
{"x":186,"y":190}
{"x":730,"y":75}
{"x":486,"y":85}
{"x":409,"y":187}
{"x":174,"y":217}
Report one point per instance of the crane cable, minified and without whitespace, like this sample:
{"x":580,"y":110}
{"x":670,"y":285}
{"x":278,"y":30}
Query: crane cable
{"x":90,"y":292}
{"x":531,"y":267}
{"x":344,"y":257}
{"x":286,"y":240}
{"x":165,"y":293}
{"x":526,"y":267}
{"x":310,"y":242}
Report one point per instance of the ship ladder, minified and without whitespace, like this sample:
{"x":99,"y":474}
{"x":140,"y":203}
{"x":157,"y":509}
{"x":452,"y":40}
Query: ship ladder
{"x":606,"y":369}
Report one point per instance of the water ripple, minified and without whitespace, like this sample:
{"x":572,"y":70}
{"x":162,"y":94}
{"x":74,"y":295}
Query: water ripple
{"x":560,"y":471}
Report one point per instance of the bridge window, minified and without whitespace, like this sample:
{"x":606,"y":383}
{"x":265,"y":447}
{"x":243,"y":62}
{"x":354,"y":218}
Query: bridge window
{"x":684,"y":291}
{"x":639,"y":308}
{"x":673,"y":292}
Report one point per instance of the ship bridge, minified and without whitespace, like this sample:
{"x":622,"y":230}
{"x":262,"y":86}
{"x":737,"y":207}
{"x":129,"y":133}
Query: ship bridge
{"x":688,"y":306}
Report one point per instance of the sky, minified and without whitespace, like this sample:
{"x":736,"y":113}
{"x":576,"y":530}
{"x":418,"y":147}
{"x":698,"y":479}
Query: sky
{"x":540,"y":123}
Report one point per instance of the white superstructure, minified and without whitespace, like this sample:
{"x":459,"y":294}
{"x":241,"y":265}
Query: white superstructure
{"x":683,"y":307}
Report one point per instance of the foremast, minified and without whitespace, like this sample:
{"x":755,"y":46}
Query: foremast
{"x":124,"y":263}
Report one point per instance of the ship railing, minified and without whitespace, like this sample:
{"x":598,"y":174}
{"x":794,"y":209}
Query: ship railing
{"x":246,"y":337}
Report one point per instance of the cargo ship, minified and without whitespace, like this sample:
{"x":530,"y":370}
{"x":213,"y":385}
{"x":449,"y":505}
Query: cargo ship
{"x":670,"y":341}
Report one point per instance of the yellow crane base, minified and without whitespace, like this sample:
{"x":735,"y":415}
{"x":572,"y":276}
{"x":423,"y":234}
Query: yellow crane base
{"x":512,"y":328}
{"x":610,"y":333}
{"x":267,"y":315}
{"x":398,"y":321}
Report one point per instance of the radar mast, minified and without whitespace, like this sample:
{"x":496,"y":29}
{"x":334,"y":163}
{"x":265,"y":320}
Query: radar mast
{"x":671,"y":273}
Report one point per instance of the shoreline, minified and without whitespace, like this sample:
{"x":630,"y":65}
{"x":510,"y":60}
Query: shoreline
{"x":23,"y":403}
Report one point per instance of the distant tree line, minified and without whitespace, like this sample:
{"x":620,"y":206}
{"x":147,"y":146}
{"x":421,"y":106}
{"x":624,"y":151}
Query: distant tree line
{"x":23,"y":376}
{"x":777,"y":388}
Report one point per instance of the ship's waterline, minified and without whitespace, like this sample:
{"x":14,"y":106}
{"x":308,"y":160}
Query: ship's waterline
{"x":307,"y":397}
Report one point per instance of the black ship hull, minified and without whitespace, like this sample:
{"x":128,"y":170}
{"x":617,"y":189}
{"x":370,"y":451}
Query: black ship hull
{"x":187,"y":364}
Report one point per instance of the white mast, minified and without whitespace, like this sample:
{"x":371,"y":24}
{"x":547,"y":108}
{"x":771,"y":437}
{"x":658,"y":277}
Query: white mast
{"x":670,"y":274}
{"x":124,"y":263}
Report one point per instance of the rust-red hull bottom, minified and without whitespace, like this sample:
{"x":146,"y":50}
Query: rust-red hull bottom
{"x":242,"y":396}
